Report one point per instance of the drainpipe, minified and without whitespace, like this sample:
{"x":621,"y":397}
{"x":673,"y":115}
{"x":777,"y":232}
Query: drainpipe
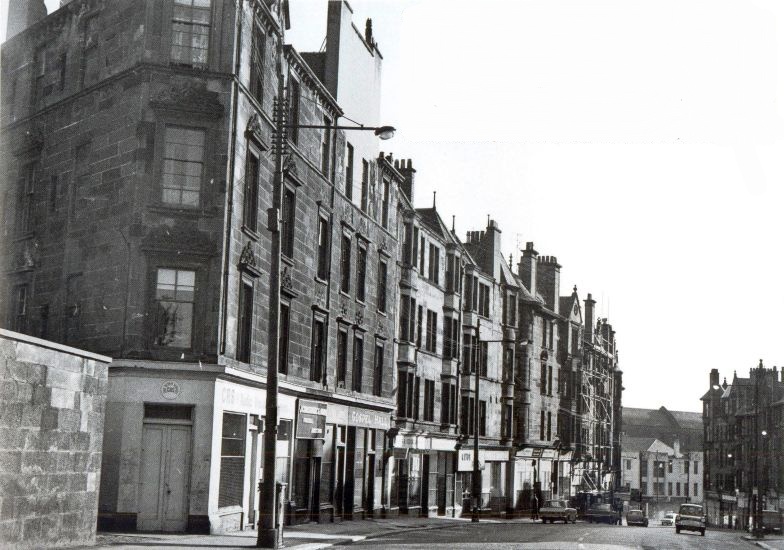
{"x":229,"y":203}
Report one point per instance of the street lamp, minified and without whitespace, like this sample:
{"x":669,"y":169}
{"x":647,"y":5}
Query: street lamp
{"x":757,"y":521}
{"x":270,"y":527}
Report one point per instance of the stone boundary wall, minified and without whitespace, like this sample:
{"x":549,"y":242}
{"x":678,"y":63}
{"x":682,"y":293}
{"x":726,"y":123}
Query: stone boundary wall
{"x":52,"y":401}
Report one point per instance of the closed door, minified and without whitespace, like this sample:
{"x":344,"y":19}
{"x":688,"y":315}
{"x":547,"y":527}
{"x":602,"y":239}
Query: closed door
{"x":164,"y":477}
{"x":340,"y":481}
{"x":371,"y":485}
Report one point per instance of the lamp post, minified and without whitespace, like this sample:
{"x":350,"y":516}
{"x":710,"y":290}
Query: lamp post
{"x":757,"y":521}
{"x":270,"y":528}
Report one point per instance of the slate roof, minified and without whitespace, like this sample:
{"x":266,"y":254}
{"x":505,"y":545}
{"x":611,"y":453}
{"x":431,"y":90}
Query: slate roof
{"x":431,"y":218}
{"x":664,"y":425}
{"x":636,"y":444}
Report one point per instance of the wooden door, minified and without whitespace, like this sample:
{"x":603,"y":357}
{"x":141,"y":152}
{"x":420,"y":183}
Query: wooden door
{"x":163,"y":495}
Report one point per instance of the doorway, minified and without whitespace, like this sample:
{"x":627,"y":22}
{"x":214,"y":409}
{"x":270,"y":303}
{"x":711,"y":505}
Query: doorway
{"x":370,"y":474}
{"x":340,"y":482}
{"x":163,"y":500}
{"x":425,"y":485}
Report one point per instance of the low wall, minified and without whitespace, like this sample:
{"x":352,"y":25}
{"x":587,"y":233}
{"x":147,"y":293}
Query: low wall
{"x":52,"y":401}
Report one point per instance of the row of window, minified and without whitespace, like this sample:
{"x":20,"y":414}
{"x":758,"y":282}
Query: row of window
{"x":659,"y":466}
{"x":657,"y":489}
{"x":418,"y":252}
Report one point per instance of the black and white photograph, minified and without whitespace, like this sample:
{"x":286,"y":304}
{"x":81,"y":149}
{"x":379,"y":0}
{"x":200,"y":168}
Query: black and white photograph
{"x":394,"y":274}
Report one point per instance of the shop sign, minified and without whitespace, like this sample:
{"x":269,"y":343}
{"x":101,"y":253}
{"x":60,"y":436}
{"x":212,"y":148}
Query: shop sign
{"x":465,"y":460}
{"x":364,"y":418}
{"x":536,"y":453}
{"x":311,"y":420}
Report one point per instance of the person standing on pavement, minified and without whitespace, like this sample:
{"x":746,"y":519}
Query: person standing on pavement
{"x":534,"y":507}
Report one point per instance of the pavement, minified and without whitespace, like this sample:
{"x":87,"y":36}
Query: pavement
{"x":315,"y":536}
{"x":312,"y":536}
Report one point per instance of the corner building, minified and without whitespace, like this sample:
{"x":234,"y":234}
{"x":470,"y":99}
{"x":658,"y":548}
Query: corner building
{"x":137,"y":187}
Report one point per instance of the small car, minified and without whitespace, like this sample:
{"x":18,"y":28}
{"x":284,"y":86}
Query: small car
{"x":668,"y":519}
{"x":603,"y":513}
{"x":691,"y":517}
{"x":636,"y":517}
{"x":772,"y":521}
{"x":557,"y":510}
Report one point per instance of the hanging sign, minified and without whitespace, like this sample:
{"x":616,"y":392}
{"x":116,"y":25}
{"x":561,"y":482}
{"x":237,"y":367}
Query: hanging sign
{"x":311,"y":420}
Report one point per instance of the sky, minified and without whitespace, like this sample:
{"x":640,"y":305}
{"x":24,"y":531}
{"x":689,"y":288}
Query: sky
{"x":640,"y":142}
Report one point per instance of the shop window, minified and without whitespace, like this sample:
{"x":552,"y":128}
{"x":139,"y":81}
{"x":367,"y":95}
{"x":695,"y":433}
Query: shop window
{"x":174,"y":300}
{"x":283,"y":452}
{"x":415,"y":479}
{"x":183,"y":165}
{"x":232,"y":465}
{"x":190,"y":32}
{"x":245,"y":320}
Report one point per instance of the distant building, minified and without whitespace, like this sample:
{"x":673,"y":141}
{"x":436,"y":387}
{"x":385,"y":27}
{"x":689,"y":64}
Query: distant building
{"x":744,"y":442}
{"x":661,"y":458}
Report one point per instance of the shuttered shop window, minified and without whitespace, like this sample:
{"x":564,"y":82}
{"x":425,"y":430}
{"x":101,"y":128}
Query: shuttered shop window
{"x":232,"y":467}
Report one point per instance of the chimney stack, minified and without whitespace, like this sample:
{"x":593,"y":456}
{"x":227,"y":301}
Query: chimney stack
{"x":588,"y":320}
{"x":407,"y":171}
{"x":490,"y":244}
{"x":22,"y":14}
{"x":526,"y":269}
{"x":714,"y":378}
{"x":548,"y":280}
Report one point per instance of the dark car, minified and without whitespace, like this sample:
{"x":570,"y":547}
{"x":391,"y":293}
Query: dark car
{"x":772,"y":521}
{"x":636,"y":517}
{"x":602,"y":513}
{"x":691,"y":517}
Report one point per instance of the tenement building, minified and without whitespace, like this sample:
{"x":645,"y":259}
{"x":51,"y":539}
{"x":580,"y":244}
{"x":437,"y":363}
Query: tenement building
{"x":138,"y":218}
{"x":159,"y":161}
{"x":743,"y":445}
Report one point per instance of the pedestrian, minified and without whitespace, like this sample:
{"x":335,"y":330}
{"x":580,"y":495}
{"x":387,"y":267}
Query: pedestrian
{"x":534,"y":507}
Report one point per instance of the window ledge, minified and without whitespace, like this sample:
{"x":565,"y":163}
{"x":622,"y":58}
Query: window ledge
{"x":252,"y":234}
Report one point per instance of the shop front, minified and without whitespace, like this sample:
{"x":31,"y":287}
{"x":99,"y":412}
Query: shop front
{"x":423,"y":479}
{"x":338,"y":463}
{"x":494,"y":471}
{"x":537,"y":477}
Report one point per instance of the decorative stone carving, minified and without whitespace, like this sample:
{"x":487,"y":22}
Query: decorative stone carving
{"x":27,"y":257}
{"x":188,"y":96}
{"x":255,"y":131}
{"x":343,"y":309}
{"x":286,"y":281}
{"x":359,"y":317}
{"x":380,"y":328}
{"x":248,"y":261}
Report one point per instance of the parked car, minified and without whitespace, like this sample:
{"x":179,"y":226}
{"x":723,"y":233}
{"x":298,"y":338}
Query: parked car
{"x":772,"y":521}
{"x":557,"y":510}
{"x":603,"y":513}
{"x":668,"y":519}
{"x":636,"y":517}
{"x":691,"y":517}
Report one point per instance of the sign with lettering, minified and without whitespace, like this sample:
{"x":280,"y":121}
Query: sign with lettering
{"x":465,"y":460}
{"x":364,"y":418}
{"x":311,"y":420}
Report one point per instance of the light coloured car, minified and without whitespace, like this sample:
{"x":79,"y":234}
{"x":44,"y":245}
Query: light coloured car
{"x":557,"y":510}
{"x":691,"y":517}
{"x":668,"y":519}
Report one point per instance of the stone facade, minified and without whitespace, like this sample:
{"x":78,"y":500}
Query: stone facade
{"x":743,"y":444}
{"x":51,"y":422}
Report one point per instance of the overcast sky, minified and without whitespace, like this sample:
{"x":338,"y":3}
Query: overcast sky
{"x":639,"y":142}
